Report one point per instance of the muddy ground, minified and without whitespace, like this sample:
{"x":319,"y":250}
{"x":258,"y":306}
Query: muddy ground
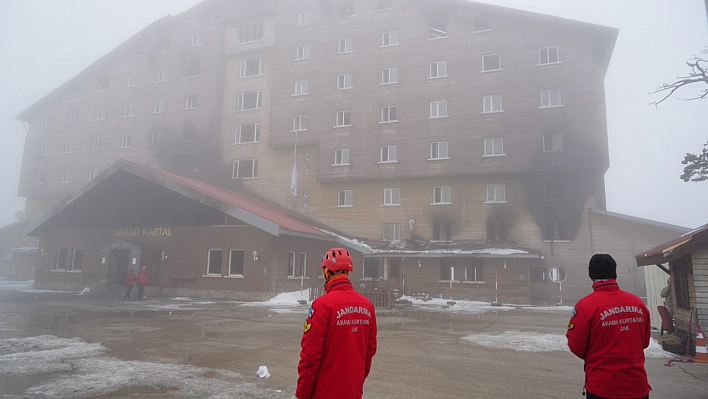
{"x":161,"y":343}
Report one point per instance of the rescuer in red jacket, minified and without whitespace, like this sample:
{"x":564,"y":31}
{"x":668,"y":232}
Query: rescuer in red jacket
{"x":129,"y":281}
{"x":339,"y":338}
{"x":142,"y":281}
{"x":609,"y":329}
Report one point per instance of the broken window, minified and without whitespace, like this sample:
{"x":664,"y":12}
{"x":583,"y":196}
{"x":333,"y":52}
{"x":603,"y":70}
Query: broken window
{"x":556,"y":230}
{"x":496,"y":231}
{"x":214,"y":262}
{"x":438,"y":27}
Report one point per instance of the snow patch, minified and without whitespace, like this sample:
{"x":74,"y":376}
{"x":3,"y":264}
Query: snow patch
{"x":284,"y":299}
{"x":460,"y":306}
{"x":654,"y":351}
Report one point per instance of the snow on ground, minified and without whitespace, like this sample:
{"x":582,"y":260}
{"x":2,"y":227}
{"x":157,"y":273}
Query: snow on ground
{"x":286,"y":302}
{"x":23,"y":286}
{"x":539,"y":342}
{"x":441,"y":305}
{"x":86,"y":372}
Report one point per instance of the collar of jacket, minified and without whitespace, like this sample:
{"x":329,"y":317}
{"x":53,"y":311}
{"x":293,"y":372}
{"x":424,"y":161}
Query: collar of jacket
{"x":339,"y":284}
{"x":607,"y":285}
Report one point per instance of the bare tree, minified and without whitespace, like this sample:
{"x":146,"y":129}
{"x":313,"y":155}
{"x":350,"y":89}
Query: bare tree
{"x":698,"y":74}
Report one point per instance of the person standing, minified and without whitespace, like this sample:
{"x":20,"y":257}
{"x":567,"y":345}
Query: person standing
{"x":668,"y":297}
{"x":142,"y":281}
{"x":609,"y":329}
{"x":129,"y":281}
{"x":339,"y":338}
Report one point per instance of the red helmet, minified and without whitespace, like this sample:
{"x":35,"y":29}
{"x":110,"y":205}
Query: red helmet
{"x":337,"y":259}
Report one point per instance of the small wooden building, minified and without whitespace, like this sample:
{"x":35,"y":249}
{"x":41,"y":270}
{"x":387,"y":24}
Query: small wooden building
{"x":687,"y":257}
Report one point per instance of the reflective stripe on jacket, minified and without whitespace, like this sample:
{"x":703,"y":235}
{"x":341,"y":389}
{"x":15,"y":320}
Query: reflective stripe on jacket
{"x":609,"y":329}
{"x":338,"y":343}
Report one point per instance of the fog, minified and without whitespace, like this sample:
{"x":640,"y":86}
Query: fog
{"x":44,"y":43}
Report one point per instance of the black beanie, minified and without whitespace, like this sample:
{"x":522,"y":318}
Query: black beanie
{"x":602,"y":266}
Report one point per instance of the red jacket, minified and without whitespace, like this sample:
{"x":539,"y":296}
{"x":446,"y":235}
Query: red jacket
{"x":131,"y":279}
{"x":143,"y":278}
{"x":609,"y":329}
{"x":337,"y":345}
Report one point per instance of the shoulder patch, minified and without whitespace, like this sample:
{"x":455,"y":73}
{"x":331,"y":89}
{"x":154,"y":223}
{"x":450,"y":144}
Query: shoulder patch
{"x":571,"y":326}
{"x":573,"y":313}
{"x":307,"y":328}
{"x":311,"y":312}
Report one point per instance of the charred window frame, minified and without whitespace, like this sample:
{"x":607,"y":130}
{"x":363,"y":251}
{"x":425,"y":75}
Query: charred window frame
{"x":680,"y":280}
{"x":394,"y":268}
{"x":442,"y":231}
{"x":214,"y":262}
{"x":497,"y":230}
{"x":538,"y":274}
{"x":556,"y":230}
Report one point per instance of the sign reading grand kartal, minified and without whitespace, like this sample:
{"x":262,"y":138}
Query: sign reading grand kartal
{"x":139,"y":232}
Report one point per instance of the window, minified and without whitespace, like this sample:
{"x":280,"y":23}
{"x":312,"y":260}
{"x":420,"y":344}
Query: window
{"x":441,"y":195}
{"x":128,"y":111}
{"x":438,"y":109}
{"x":68,"y":147}
{"x":481,"y":24}
{"x":291,"y":264}
{"x":391,"y":232}
{"x":100,"y":114}
{"x":161,"y":76}
{"x":551,"y":98}
{"x":103,"y":84}
{"x":538,"y":274}
{"x":162,"y":43}
{"x":496,"y":230}
{"x":492,"y":103}
{"x":252,"y":67}
{"x":301,"y":87}
{"x":371,"y":268}
{"x":680,"y":280}
{"x":250,"y":33}
{"x":196,"y":39}
{"x":41,"y":177}
{"x":48,"y":121}
{"x":438,"y":69}
{"x":73,"y":117}
{"x":77,"y":259}
{"x":44,"y":149}
{"x":389,"y":75}
{"x":554,"y":191}
{"x":303,"y":264}
{"x":447,"y":270}
{"x":548,"y":55}
{"x":97,"y":143}
{"x":345,"y":198}
{"x":552,"y":142}
{"x":392,"y":196}
{"x":345,"y":8}
{"x":493,"y":146}
{"x":125,"y":141}
{"x":496,"y":193}
{"x":159,"y":107}
{"x":299,"y":269}
{"x":245,"y":169}
{"x":473,"y":270}
{"x":345,"y":45}
{"x":556,"y":230}
{"x":383,"y":5}
{"x":302,"y":52}
{"x":344,"y":81}
{"x":438,"y":150}
{"x":442,"y":231}
{"x":388,"y":114}
{"x":156,"y":137}
{"x":191,"y":102}
{"x":389,"y":38}
{"x":132,"y":81}
{"x":438,"y":29}
{"x":344,"y":118}
{"x":299,"y":123}
{"x":62,"y":259}
{"x":250,"y":133}
{"x":236,"y":262}
{"x":248,"y":101}
{"x":65,"y":175}
{"x":341,"y":156}
{"x":304,"y":18}
{"x":388,"y":153}
{"x":193,"y":66}
{"x":491,"y":62}
{"x":214,"y":262}
{"x":91,"y":174}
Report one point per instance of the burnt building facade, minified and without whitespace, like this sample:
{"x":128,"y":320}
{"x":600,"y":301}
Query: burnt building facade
{"x":449,"y":143}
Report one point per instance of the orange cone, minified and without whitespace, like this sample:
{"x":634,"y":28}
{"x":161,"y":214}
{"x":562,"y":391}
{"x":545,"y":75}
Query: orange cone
{"x":701,"y":349}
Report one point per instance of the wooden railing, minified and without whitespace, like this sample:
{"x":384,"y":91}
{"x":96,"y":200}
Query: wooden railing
{"x":380,"y":299}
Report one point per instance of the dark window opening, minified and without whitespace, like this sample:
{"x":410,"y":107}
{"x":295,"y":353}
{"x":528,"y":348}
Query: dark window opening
{"x":438,"y":27}
{"x":214,"y":262}
{"x":474,"y":271}
{"x":394,"y":268}
{"x":447,"y":270}
{"x":236,"y":262}
{"x":681,"y":285}
{"x":371,"y":268}
{"x":496,"y":231}
{"x":78,"y":259}
{"x":538,"y":274}
{"x":250,"y":33}
{"x":481,"y":24}
{"x":62,"y":259}
{"x":556,"y":230}
{"x":442,"y":231}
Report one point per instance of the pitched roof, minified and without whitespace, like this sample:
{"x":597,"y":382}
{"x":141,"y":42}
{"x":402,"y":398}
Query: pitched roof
{"x":255,"y":211}
{"x":640,"y":221}
{"x":678,"y":247}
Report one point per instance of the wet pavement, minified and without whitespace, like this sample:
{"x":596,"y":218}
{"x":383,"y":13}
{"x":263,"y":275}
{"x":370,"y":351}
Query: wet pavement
{"x":63,"y":345}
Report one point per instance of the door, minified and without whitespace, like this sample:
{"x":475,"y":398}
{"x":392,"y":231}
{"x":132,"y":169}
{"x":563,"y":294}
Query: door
{"x":151,"y":259}
{"x":394,"y":273}
{"x":118,"y":263}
